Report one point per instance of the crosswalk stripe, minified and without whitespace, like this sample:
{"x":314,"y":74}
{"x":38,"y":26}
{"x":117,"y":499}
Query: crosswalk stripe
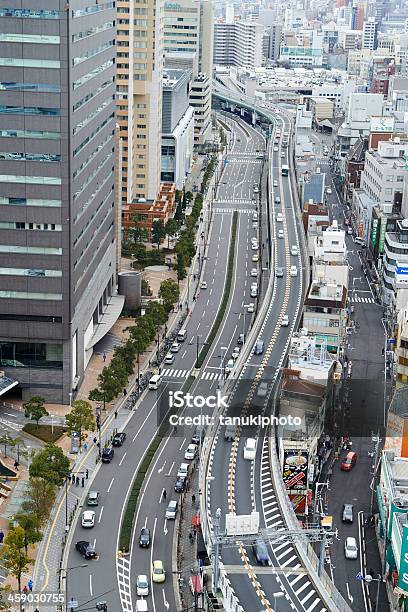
{"x":314,"y":604}
{"x":295,"y":580}
{"x":308,"y":596}
{"x":302,"y":588}
{"x":286,"y":552}
{"x":289,"y":561}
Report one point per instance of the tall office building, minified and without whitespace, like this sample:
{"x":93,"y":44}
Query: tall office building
{"x":188,"y":44}
{"x":238,"y":44}
{"x":139,"y":100}
{"x":369,"y":34}
{"x":57,"y":246}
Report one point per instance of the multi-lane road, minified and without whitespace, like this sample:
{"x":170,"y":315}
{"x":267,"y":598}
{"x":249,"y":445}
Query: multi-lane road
{"x":113,"y":579}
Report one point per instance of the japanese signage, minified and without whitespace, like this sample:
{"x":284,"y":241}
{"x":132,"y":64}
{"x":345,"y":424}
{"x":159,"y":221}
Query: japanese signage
{"x":295,"y":464}
{"x":382,"y":234}
{"x":374,"y":232}
{"x":403,"y":568}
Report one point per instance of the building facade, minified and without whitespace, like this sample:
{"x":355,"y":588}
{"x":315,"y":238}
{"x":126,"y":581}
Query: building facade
{"x":57,"y":251}
{"x":238,"y":44}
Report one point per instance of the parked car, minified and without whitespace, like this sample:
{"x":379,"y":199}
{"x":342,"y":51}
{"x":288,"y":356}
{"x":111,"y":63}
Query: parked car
{"x":236,"y":352}
{"x":261,"y":554}
{"x":347,"y":515}
{"x":158,"y":572}
{"x":169,"y":358}
{"x":92,"y":498}
{"x":85,"y":549}
{"x":203,"y":285}
{"x":190,"y":453}
{"x":241,"y":337}
{"x":250,"y":449}
{"x":350,"y":548}
{"x":198,"y":434}
{"x":229,"y":366}
{"x":107,"y":454}
{"x":171,"y":510}
{"x":175,"y":347}
{"x":144,"y":538}
{"x":142,"y":586}
{"x":183,"y":470}
{"x":119,"y":438}
{"x":180,"y":485}
{"x":88,"y":519}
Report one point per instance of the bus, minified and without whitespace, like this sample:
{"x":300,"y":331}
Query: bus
{"x":285,"y":170}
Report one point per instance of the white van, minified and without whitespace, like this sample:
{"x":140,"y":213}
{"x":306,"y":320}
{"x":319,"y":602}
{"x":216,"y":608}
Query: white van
{"x":155,"y":382}
{"x":141,"y":605}
{"x":182,"y":335}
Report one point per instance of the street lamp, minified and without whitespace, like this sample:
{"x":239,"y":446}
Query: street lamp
{"x":368,"y":578}
{"x":67,"y":571}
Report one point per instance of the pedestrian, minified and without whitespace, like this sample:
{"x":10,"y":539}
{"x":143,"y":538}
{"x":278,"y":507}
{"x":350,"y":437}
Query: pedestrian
{"x":30,"y":584}
{"x":164,"y":494}
{"x":116,"y":412}
{"x":25,"y":589}
{"x":87,"y":473}
{"x":16,"y":464}
{"x":193,"y":499}
{"x":190,"y":537}
{"x":85,"y":446}
{"x":95,"y":439}
{"x":77,"y":481}
{"x":104,"y":356}
{"x":1,"y":536}
{"x":83,"y":481}
{"x":124,"y":392}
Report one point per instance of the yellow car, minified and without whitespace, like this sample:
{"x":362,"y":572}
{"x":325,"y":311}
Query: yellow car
{"x":158,"y":573}
{"x":255,"y":257}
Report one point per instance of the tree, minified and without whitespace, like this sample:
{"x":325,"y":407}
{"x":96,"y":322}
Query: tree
{"x":80,"y":419}
{"x":6,"y":440}
{"x":39,"y":499}
{"x":19,"y":444}
{"x":31,"y":525}
{"x":51,"y":464}
{"x":108,"y":387}
{"x":181,"y":266}
{"x":156,"y":313}
{"x":158,"y":232}
{"x":5,"y":592}
{"x":34,"y":409}
{"x":172,"y":227}
{"x":13,"y":553}
{"x":169,"y":292}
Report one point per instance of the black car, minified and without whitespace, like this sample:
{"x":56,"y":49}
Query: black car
{"x":261,"y":553}
{"x":180,"y":485}
{"x":107,"y":454}
{"x":144,"y":538}
{"x":85,"y":549}
{"x":118,"y":439}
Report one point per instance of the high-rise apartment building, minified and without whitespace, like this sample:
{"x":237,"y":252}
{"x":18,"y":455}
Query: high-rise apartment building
{"x":188,"y":44}
{"x":139,"y":75}
{"x":57,"y":243}
{"x":369,"y":40}
{"x":238,"y":44}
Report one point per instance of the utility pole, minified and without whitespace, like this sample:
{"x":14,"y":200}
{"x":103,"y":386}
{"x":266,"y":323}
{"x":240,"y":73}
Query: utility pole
{"x":216,"y":550}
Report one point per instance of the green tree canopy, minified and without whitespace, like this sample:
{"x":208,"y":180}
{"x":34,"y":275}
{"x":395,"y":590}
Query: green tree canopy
{"x":40,"y":498}
{"x":51,"y":464}
{"x":31,"y":525}
{"x":34,"y":409}
{"x":13,"y":553}
{"x":158,"y":232}
{"x":80,"y":419}
{"x":169,"y":292}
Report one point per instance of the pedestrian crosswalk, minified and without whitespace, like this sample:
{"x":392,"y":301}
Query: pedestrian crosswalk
{"x":231,"y":210}
{"x":234,"y":201}
{"x":361,"y":299}
{"x":244,"y":160}
{"x":173,"y":373}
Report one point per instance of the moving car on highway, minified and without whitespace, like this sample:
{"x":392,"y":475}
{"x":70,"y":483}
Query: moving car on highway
{"x":158,"y":572}
{"x":250,"y":449}
{"x":85,"y":549}
{"x":88,"y":519}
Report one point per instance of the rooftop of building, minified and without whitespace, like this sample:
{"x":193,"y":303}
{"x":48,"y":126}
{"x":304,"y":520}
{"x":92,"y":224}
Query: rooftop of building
{"x":324,"y":294}
{"x":172,"y":77}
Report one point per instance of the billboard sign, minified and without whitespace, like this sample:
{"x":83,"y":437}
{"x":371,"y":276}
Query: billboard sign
{"x":403,"y":568}
{"x":374,"y":232}
{"x":382,"y":234}
{"x":295,"y":466}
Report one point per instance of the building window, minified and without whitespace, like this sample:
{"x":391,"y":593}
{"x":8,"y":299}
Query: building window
{"x":90,"y":75}
{"x":96,"y":30}
{"x":30,"y":38}
{"x":30,"y":180}
{"x":29,"y":13}
{"x":30,"y":272}
{"x":25,"y":250}
{"x":92,"y":52}
{"x":13,"y":86}
{"x":30,"y":202}
{"x":29,"y":134}
{"x":29,"y":63}
{"x":31,"y":354}
{"x":28,"y":110}
{"x":36,"y":157}
{"x":22,"y":225}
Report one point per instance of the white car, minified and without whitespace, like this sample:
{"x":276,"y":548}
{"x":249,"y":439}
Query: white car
{"x":142,"y":585}
{"x":235,"y":353}
{"x":171,"y":510}
{"x":283,"y":154}
{"x":293,"y":271}
{"x":294,"y":250}
{"x":329,"y":190}
{"x":275,"y":183}
{"x":190,"y":452}
{"x":229,"y":366}
{"x":88,"y":518}
{"x":203,"y":285}
{"x":276,"y":149}
{"x":285,"y":321}
{"x":350,"y":548}
{"x":250,"y":449}
{"x":183,"y":470}
{"x":251,"y":307}
{"x":262,"y":389}
{"x":254,"y":246}
{"x":254,"y":272}
{"x":279,"y":218}
{"x":175,"y":347}
{"x":280,"y":233}
{"x":169,"y":358}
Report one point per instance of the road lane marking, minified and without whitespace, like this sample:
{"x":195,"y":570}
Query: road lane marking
{"x":90,"y":585}
{"x":100,"y":515}
{"x":171,"y":467}
{"x":121,"y":461}
{"x":110,"y":485}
